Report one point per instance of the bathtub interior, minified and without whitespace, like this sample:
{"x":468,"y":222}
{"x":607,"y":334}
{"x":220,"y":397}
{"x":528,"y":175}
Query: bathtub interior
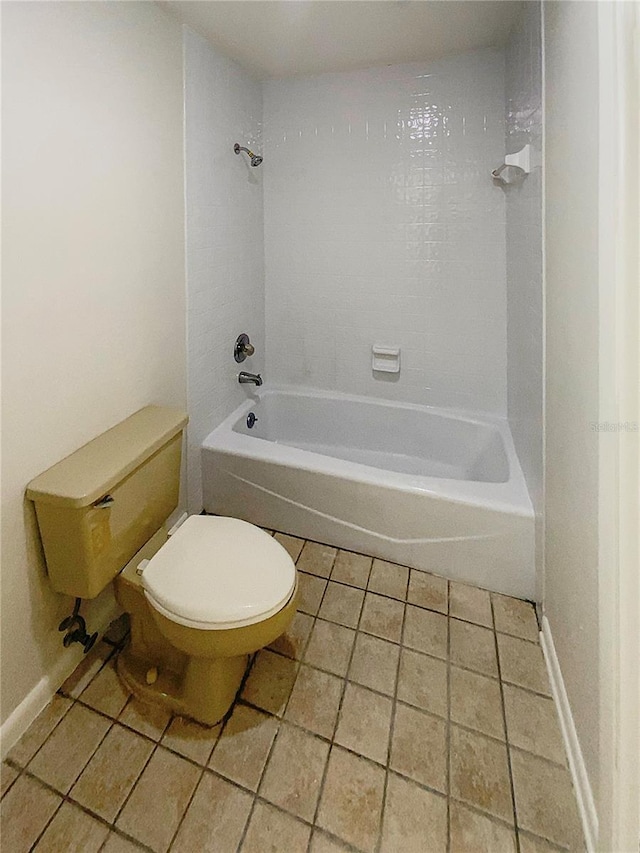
{"x":392,"y":438}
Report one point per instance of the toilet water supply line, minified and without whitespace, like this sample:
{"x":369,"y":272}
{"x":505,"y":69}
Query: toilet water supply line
{"x":76,"y":629}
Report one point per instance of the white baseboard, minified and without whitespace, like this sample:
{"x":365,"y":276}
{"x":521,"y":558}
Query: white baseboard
{"x":584,"y":794}
{"x":21,"y":718}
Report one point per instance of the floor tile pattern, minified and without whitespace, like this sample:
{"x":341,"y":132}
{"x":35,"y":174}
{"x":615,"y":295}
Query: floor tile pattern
{"x":401,"y":712}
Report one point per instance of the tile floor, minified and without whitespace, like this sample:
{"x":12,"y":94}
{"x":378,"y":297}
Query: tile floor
{"x":400,"y":713}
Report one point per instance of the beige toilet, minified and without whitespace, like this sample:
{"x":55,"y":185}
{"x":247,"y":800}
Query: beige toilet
{"x":201,"y":600}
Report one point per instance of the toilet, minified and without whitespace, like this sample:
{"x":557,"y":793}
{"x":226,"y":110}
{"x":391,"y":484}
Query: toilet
{"x":202,"y":598}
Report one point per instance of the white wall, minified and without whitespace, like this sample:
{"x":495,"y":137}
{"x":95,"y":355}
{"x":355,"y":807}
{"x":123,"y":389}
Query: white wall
{"x":523,"y":85}
{"x":224,"y":234}
{"x":93,"y":269}
{"x":383,"y":226}
{"x":572,"y":392}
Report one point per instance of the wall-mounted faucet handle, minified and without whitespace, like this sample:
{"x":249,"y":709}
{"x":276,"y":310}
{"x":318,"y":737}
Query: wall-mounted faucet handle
{"x":243,"y":348}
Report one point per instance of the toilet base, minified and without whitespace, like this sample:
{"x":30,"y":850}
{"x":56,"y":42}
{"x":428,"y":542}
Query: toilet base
{"x":204,"y":692}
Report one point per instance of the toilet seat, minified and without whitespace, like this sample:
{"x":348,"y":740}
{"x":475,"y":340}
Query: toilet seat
{"x":217,"y":573}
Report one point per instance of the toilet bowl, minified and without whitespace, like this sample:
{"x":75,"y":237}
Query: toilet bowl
{"x":201,"y":602}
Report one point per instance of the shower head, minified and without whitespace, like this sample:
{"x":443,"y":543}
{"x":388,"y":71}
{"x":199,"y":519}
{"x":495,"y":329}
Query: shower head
{"x":254,"y":158}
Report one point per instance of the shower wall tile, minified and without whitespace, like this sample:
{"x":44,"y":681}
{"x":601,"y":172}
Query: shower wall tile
{"x":224,"y":239}
{"x":524,"y":253}
{"x":383,"y":226}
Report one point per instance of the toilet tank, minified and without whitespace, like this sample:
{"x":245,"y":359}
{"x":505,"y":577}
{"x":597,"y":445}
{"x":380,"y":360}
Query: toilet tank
{"x":100,"y":505}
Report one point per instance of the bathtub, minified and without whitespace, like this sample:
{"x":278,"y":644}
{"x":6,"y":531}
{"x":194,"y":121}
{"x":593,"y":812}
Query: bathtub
{"x":432,"y":489}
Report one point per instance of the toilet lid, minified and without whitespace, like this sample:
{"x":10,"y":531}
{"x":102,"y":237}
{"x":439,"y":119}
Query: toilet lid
{"x":218,"y":573}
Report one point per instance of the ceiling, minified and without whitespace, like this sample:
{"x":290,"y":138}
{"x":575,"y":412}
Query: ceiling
{"x":283,"y":38}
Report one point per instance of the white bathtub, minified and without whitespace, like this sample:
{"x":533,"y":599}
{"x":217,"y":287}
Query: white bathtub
{"x":432,"y":489}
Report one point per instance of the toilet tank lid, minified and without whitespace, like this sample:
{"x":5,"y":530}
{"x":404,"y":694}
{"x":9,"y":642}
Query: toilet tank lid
{"x":91,"y":472}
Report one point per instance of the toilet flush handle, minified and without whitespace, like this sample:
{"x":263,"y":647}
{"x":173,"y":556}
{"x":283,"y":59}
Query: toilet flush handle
{"x":104,"y":502}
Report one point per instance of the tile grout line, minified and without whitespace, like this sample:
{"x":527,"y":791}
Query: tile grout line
{"x":506,"y":735}
{"x":280,"y":718}
{"x":146,"y":764}
{"x":455,"y":664}
{"x":205,"y":766}
{"x":66,"y":796}
{"x":394,"y":705}
{"x":84,"y":809}
{"x":512,"y":635}
{"x":340,"y":704}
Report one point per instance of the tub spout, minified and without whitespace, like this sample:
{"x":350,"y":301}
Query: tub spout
{"x":245,"y":378}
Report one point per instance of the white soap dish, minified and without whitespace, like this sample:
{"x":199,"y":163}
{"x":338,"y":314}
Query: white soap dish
{"x":385,"y":359}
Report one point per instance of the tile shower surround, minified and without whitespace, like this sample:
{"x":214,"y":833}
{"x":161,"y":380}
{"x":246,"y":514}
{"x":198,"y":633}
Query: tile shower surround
{"x":383,"y":226}
{"x":524,"y":254}
{"x":224,"y":239}
{"x":400,"y":712}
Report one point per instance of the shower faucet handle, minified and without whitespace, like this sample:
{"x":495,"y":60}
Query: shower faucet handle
{"x":243,"y":348}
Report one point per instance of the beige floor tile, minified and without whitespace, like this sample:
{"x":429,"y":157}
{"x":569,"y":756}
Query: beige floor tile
{"x":215,"y":819}
{"x":191,"y":739}
{"x":545,"y":801}
{"x":293,"y":642}
{"x":39,"y":730}
{"x":342,"y":604}
{"x":69,"y":748}
{"x":273,"y":831}
{"x":516,"y":617}
{"x":294,"y":773}
{"x":270,"y":681}
{"x":243,"y":747}
{"x":382,"y":616}
{"x":310,"y":592}
{"x":88,"y":667}
{"x":351,"y":803}
{"x":532,"y":723}
{"x":315,"y":700}
{"x":150,"y":720}
{"x":106,"y":693}
{"x":470,"y":603}
{"x":480,"y":773}
{"x":415,"y":820}
{"x":531,"y":844}
{"x":118,"y":844}
{"x":73,"y":831}
{"x":317,"y":559}
{"x":471,"y":832}
{"x":375,"y":663}
{"x":24,"y":813}
{"x":291,"y":544}
{"x":476,"y":702}
{"x":473,"y":647}
{"x":112,"y":772}
{"x":365,"y":722}
{"x":8,"y":776}
{"x":330,"y":647}
{"x":389,"y":579}
{"x":352,"y":568}
{"x":323,"y":843}
{"x":422,"y":682}
{"x":425,"y":631}
{"x":159,"y":799}
{"x":419,"y":747}
{"x":522,"y":663}
{"x":428,"y":591}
